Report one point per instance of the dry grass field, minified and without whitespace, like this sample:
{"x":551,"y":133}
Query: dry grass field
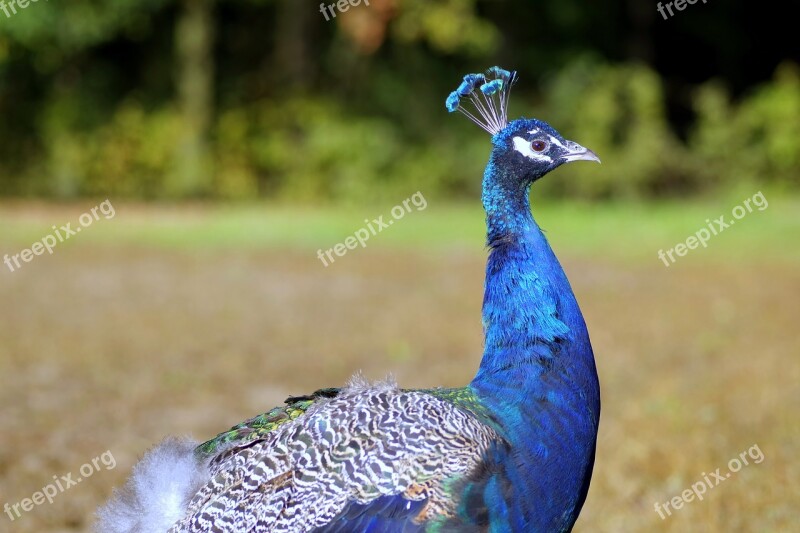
{"x":149,"y":326}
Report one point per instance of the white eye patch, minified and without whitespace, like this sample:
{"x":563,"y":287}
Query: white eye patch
{"x":555,"y":141}
{"x":524,"y":147}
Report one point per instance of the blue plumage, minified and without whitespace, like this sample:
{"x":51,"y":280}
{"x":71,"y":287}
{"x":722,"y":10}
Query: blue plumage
{"x":452,"y":101}
{"x":470,"y":83}
{"x":491,"y":87}
{"x":538,"y":374}
{"x":388,"y":514}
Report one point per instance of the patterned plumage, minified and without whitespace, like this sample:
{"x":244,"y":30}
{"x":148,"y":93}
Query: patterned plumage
{"x":512,"y":451}
{"x":365,"y":443}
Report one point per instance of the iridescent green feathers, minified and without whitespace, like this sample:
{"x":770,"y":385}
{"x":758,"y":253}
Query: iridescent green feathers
{"x":259,"y":426}
{"x":489,"y":94}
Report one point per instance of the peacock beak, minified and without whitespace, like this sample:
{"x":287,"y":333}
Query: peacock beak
{"x":576,"y":152}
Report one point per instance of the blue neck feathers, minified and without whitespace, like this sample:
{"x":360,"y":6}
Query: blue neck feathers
{"x":537,"y":375}
{"x":531,"y":317}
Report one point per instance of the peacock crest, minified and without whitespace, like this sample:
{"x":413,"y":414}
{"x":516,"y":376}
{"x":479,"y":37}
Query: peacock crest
{"x":489,"y":94}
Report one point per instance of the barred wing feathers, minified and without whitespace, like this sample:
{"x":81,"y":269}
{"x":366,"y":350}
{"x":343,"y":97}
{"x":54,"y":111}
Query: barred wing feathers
{"x":362,"y":456}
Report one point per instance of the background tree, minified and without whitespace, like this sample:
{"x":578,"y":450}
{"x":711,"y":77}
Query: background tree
{"x":247,"y":98}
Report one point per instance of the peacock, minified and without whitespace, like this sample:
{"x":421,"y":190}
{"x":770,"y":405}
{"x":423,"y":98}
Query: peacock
{"x":513,"y":451}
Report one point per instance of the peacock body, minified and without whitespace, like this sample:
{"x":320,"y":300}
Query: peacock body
{"x":511,"y":452}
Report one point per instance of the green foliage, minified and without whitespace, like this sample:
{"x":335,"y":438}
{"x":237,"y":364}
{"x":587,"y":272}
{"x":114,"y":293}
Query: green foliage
{"x":132,"y":155}
{"x":310,"y":149}
{"x":112,"y":98}
{"x":303,"y":149}
{"x":314,"y":149}
{"x":449,"y":26}
{"x":55,"y":29}
{"x":618,"y":111}
{"x":757,"y":141}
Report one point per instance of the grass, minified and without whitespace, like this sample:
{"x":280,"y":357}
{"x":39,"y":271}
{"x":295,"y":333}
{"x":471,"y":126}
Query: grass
{"x":187,"y":320}
{"x":626,"y":231}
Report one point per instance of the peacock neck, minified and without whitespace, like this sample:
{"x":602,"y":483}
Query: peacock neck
{"x":537,"y":377}
{"x":532,"y":323}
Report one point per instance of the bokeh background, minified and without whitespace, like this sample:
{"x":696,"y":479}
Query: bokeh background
{"x":236,"y":138}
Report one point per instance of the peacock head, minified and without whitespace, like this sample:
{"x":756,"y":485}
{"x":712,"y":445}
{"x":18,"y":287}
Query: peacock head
{"x":528,"y":148}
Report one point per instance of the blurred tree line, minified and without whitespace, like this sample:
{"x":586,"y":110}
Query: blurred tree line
{"x":242,"y":99}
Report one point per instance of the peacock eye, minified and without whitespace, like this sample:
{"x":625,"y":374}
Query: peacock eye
{"x":539,"y":146}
